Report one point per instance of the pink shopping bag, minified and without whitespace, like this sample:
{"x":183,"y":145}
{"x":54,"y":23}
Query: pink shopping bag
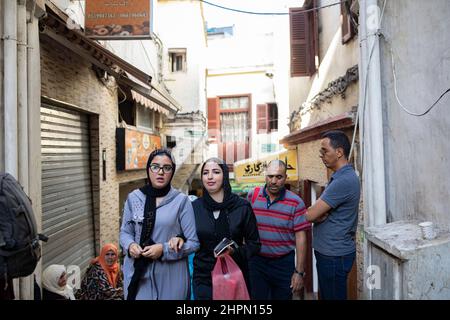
{"x":227,"y":280}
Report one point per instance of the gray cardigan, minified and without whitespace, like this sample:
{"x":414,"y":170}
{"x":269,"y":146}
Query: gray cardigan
{"x":167,"y":279}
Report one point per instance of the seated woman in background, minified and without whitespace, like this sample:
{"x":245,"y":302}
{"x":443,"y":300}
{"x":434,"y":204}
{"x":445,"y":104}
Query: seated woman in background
{"x":54,"y":284}
{"x":103,"y":279}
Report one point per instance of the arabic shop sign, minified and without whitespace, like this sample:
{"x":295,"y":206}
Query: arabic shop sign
{"x":118,"y":19}
{"x":133,"y":148}
{"x":253,"y":170}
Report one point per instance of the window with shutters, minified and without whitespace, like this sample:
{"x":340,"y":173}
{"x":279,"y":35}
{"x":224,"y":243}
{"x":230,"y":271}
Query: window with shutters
{"x":267,"y":117}
{"x":229,"y":123}
{"x":228,"y":118}
{"x":177,"y":60}
{"x":304,"y":41}
{"x":234,"y":118}
{"x":347,"y":21}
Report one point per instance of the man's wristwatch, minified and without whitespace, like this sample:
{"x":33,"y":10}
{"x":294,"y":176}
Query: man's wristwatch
{"x":301,"y":273}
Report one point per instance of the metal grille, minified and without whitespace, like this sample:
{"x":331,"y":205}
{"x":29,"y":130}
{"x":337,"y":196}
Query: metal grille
{"x":67,"y":209}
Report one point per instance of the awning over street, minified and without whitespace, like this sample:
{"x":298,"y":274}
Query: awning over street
{"x":152,"y":96}
{"x":146,"y":102}
{"x":252,"y":170}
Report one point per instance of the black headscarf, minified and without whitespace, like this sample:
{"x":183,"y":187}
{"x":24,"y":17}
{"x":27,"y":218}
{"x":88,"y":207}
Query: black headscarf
{"x":229,"y":198}
{"x":151,"y":193}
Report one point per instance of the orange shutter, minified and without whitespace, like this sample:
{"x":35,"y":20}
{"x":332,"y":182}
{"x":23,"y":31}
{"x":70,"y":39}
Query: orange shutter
{"x":213,"y":118}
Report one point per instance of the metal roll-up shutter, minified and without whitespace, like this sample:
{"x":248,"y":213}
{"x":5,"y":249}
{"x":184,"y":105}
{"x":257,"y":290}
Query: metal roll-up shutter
{"x":67,"y":209}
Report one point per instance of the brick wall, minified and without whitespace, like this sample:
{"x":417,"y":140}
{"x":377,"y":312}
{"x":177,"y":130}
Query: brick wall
{"x":68,"y":78}
{"x":311,"y":167}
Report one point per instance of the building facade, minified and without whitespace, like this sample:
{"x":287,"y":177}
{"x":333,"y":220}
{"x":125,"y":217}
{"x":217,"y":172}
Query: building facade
{"x":404,"y":123}
{"x":181,"y":27}
{"x":86,"y":119}
{"x":323,"y":95}
{"x":247,"y":90}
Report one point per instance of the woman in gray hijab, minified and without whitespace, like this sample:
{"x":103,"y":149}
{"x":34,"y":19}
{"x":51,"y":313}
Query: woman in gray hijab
{"x":152,"y":216}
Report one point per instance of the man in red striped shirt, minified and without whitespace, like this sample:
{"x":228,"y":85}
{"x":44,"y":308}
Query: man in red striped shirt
{"x":280,"y":213}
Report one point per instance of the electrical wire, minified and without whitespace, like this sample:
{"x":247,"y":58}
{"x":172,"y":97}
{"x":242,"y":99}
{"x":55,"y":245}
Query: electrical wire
{"x":269,"y":13}
{"x":81,"y":8}
{"x":398,"y":99}
{"x":124,"y":95}
{"x":148,"y":57}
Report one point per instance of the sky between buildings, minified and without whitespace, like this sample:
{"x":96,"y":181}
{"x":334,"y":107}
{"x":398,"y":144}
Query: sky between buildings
{"x":247,"y":24}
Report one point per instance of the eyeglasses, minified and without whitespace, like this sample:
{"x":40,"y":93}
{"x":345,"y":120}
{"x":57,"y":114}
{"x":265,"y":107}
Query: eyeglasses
{"x":155,"y":168}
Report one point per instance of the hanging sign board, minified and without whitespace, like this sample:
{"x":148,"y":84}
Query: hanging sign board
{"x":118,"y":19}
{"x":133,"y":148}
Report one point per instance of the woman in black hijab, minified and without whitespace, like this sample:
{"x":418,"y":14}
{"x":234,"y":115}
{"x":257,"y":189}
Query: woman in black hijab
{"x":219,"y":214}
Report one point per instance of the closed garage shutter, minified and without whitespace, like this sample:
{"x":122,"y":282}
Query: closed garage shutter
{"x":67,"y":210}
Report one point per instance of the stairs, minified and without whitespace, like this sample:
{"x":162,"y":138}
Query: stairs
{"x":184,"y":174}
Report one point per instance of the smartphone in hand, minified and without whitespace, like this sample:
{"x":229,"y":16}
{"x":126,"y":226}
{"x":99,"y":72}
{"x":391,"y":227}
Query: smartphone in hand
{"x":223,"y":246}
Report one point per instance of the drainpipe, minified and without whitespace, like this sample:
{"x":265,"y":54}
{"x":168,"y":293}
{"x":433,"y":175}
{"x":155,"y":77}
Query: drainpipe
{"x":34,"y":114}
{"x":10,"y":85}
{"x":22,"y":93}
{"x":375,"y":113}
{"x":363,"y":58}
{"x":371,"y":124}
{"x":10,"y":94}
{"x":34,"y":121}
{"x":25,"y":284}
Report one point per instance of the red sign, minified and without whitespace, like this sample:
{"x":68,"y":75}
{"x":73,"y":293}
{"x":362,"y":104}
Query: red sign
{"x":118,"y":19}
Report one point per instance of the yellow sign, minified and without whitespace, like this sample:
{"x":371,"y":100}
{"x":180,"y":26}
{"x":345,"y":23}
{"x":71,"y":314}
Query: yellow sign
{"x":253,"y":170}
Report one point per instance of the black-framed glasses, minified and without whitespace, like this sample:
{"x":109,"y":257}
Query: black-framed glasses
{"x":155,"y":168}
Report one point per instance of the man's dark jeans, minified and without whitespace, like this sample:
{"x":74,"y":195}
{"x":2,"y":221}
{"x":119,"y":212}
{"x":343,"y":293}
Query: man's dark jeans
{"x":332,"y":273}
{"x":270,"y":278}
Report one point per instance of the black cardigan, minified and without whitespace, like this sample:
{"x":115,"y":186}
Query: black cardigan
{"x":242,"y":226}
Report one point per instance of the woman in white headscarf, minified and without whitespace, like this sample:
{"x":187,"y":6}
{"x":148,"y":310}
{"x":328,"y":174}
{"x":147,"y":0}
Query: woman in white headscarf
{"x":54,"y":284}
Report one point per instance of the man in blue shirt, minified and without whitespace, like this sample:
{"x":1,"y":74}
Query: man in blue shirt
{"x":335,"y":215}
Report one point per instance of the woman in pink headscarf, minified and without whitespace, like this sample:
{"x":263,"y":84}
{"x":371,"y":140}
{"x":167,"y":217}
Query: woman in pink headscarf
{"x":103,"y":279}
